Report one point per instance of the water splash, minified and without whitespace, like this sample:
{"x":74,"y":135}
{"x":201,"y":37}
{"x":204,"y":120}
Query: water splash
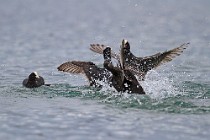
{"x":158,"y":87}
{"x":162,"y":95}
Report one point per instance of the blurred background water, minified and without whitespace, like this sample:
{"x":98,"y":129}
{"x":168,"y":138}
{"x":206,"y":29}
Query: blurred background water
{"x":37,"y":35}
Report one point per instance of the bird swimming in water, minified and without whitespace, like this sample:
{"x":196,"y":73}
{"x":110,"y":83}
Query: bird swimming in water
{"x":33,"y":81}
{"x":122,"y":80}
{"x":140,"y":65}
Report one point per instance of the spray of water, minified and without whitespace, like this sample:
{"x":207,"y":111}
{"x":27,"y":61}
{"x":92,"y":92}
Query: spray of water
{"x":157,"y":86}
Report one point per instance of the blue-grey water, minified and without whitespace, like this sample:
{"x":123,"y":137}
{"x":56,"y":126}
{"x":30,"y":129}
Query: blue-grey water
{"x":39,"y":35}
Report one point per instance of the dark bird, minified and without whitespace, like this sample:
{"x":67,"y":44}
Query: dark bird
{"x":140,"y":65}
{"x":122,"y":80}
{"x":113,"y":76}
{"x":89,"y":69}
{"x":33,"y":81}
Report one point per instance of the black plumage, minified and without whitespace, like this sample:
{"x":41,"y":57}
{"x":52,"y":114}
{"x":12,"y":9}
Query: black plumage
{"x":140,"y":65}
{"x":122,"y":80}
{"x":33,"y":81}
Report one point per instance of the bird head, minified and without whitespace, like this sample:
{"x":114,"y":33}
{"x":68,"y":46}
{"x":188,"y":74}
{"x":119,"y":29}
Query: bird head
{"x":33,"y":76}
{"x":107,"y":53}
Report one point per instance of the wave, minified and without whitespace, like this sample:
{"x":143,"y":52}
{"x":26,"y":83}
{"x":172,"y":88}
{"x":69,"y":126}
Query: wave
{"x":162,"y":95}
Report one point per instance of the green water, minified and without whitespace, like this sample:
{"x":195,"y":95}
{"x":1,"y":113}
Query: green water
{"x":37,"y":35}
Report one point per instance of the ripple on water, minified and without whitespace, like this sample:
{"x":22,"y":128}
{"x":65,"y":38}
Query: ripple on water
{"x":161,"y":96}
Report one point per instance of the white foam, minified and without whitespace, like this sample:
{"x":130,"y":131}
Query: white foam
{"x":158,"y":86}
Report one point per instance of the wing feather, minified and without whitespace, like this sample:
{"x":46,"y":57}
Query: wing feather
{"x":99,"y":48}
{"x":76,"y":67}
{"x":168,"y":56}
{"x":145,"y":64}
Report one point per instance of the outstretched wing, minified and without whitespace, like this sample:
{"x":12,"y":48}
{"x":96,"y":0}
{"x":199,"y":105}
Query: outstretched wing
{"x":76,"y":67}
{"x":80,"y":67}
{"x":147,"y":63}
{"x":99,"y":48}
{"x":89,"y":69}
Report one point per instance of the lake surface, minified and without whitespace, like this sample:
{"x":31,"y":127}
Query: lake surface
{"x":37,"y":35}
